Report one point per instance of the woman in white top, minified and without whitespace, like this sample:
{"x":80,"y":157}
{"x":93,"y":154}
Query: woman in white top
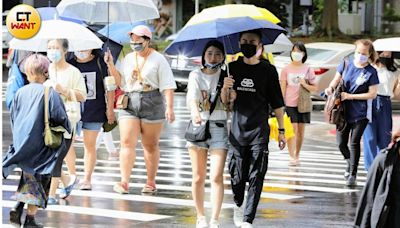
{"x":377,"y":134}
{"x":144,"y":75}
{"x":65,"y":79}
{"x":201,"y":93}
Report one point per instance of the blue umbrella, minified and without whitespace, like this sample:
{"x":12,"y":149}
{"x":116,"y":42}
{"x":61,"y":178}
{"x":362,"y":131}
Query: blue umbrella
{"x":51,"y":13}
{"x":191,"y":40}
{"x":118,"y":31}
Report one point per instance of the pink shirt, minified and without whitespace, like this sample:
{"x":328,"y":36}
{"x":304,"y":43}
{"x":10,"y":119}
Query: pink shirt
{"x":292,"y":75}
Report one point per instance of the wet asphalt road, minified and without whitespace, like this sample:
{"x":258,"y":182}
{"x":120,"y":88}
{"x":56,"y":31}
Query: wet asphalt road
{"x":310,"y":195}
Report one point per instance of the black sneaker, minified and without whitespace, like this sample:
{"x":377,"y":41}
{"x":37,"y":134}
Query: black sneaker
{"x":31,"y":223}
{"x":351,"y":181}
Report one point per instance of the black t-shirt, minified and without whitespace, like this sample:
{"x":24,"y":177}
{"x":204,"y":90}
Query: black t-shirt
{"x":257,"y":87}
{"x":94,"y":108}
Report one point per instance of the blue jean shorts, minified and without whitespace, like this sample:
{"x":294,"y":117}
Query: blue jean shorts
{"x":146,"y":106}
{"x":92,"y":126}
{"x":219,"y":137}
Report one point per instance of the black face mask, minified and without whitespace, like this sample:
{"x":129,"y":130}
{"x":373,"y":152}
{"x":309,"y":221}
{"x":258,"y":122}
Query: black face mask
{"x":248,"y":50}
{"x":385,"y":61}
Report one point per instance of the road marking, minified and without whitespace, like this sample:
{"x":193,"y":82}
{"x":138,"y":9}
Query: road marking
{"x":135,"y":216}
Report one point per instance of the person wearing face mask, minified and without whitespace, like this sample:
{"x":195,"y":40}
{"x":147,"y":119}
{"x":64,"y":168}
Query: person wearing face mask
{"x":202,"y":90}
{"x":252,"y":86}
{"x":145,"y":76}
{"x":378,"y":132}
{"x":360,"y":81}
{"x":65,"y":79}
{"x":96,"y":109}
{"x":29,"y":152}
{"x":293,"y":76}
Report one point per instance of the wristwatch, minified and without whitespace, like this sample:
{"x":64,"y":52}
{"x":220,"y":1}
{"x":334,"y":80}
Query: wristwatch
{"x":281,"y":130}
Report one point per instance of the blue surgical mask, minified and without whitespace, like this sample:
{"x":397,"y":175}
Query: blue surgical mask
{"x":54,"y":55}
{"x":137,"y":47}
{"x":81,"y":55}
{"x":212,"y":66}
{"x":360,"y":58}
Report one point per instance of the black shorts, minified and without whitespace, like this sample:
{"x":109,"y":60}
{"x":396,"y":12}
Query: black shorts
{"x":296,"y":116}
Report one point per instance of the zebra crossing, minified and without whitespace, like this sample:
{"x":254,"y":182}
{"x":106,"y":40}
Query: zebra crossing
{"x":320,"y":172}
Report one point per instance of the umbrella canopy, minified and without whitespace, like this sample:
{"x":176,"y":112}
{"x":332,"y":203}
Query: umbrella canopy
{"x":387,"y":44}
{"x":51,"y":13}
{"x":79,"y":37}
{"x":105,"y":11}
{"x":233,"y":10}
{"x":191,"y":40}
{"x":282,"y":43}
{"x":118,"y":31}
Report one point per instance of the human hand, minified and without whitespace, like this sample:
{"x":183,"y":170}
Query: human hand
{"x":110,"y":115}
{"x":345,"y":96}
{"x":282,"y":141}
{"x":329,"y":91}
{"x":108,"y":58}
{"x":228,"y":82}
{"x":170,"y":115}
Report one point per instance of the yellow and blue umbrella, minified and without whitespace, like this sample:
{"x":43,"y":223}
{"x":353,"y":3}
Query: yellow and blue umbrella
{"x":191,"y":40}
{"x":232,"y":11}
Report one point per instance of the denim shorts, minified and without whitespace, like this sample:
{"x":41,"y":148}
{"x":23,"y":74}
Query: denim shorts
{"x":92,"y":126}
{"x":219,"y":137}
{"x":296,"y":116}
{"x":146,"y":106}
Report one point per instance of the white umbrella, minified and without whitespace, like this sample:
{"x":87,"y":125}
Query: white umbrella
{"x":78,"y":36}
{"x":106,"y":11}
{"x":387,"y":44}
{"x":282,"y":43}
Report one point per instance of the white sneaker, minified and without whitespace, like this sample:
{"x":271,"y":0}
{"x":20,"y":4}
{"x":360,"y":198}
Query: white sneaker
{"x":238,"y":215}
{"x":246,"y":225}
{"x":214,"y":223}
{"x":201,"y":222}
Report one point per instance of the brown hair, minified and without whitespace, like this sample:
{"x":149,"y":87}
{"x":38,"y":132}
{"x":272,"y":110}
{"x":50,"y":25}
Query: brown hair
{"x":371,"y":50}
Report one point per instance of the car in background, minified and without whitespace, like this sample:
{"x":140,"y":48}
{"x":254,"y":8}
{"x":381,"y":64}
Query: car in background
{"x":323,"y":58}
{"x":181,"y":67}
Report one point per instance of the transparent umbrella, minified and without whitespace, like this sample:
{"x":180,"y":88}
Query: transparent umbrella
{"x":78,"y":36}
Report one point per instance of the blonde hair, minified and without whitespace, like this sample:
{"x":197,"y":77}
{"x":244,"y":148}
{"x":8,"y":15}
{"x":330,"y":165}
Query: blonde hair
{"x":371,"y":50}
{"x":36,"y":65}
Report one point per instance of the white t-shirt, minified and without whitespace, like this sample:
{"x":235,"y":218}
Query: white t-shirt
{"x":70,"y":78}
{"x":387,"y":81}
{"x":200,"y":88}
{"x":156,"y":72}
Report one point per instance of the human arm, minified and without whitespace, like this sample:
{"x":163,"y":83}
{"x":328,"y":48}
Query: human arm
{"x":108,"y":59}
{"x":279,"y":112}
{"x":371,"y":94}
{"x":169,"y":98}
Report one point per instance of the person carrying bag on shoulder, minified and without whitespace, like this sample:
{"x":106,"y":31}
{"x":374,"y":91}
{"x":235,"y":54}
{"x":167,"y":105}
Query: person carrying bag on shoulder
{"x":360,"y":83}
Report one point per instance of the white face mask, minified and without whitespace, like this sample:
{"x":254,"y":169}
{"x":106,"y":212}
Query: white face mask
{"x":81,"y":54}
{"x":54,"y":55}
{"x":297,"y":56}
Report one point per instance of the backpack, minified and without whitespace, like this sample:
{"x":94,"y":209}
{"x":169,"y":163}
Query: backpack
{"x":334,"y":109}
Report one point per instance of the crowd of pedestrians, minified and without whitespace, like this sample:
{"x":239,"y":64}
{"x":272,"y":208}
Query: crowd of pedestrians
{"x":245,"y":90}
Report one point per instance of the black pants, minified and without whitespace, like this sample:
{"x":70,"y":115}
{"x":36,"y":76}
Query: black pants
{"x":342,"y":138}
{"x":248,"y":163}
{"x":58,"y":167}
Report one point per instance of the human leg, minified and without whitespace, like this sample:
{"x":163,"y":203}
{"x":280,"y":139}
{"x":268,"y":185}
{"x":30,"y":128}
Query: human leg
{"x":198,"y":158}
{"x":150,"y":141}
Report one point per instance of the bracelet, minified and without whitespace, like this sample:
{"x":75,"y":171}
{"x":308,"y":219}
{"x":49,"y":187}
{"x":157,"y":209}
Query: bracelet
{"x":281,"y":130}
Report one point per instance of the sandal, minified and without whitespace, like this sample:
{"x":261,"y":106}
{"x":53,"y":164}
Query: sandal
{"x":121,"y":188}
{"x":149,"y":189}
{"x":85,"y":186}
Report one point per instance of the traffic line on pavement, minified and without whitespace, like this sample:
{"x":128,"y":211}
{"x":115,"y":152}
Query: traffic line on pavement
{"x":266,"y":195}
{"x":108,"y":213}
{"x":129,"y":197}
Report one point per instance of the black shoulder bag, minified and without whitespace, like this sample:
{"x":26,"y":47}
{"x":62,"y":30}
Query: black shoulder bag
{"x":200,"y":133}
